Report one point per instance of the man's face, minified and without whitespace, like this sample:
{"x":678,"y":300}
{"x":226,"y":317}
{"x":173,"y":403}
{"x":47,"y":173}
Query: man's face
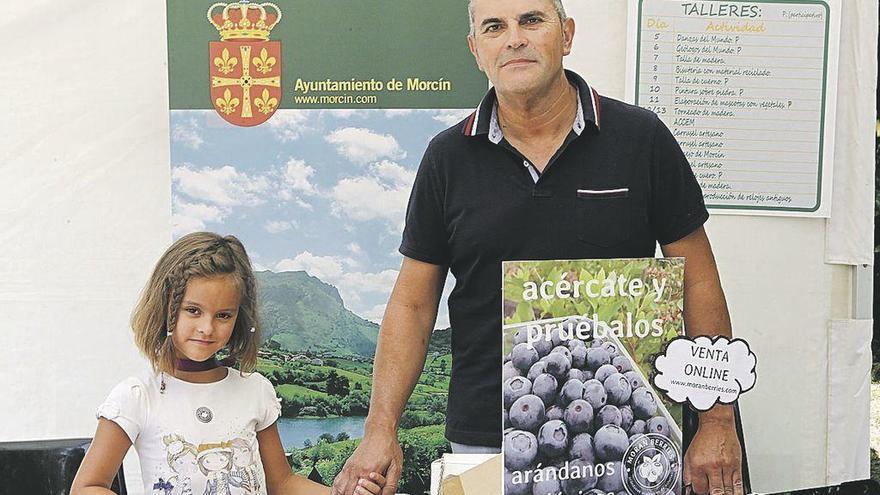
{"x":519,"y":44}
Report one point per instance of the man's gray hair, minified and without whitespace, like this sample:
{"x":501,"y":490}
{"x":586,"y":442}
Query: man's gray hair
{"x":557,"y":4}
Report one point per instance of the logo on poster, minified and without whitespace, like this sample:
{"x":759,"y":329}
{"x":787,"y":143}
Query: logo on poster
{"x":651,"y":465}
{"x":245,"y":67}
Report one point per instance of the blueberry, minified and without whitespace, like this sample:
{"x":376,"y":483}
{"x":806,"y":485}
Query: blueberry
{"x":505,"y":421}
{"x":611,"y":442}
{"x":626,"y":415}
{"x":613,"y":479}
{"x":588,"y":375}
{"x":537,"y":369}
{"x":524,"y":356}
{"x":578,"y":416}
{"x":587,"y":480}
{"x":643,"y":404}
{"x":608,"y":415}
{"x":564,"y":351}
{"x":527,"y":413}
{"x":582,"y":448}
{"x":635,"y":438}
{"x":553,"y":438}
{"x":575,"y":344}
{"x":578,"y":355}
{"x":572,"y":390}
{"x":575,"y":374}
{"x":554,"y":412}
{"x":521,"y":336}
{"x":595,"y":343}
{"x":635,"y":381}
{"x":555,"y":337}
{"x":545,"y":387}
{"x":596,"y":357}
{"x":637,"y":428}
{"x":520,"y":449}
{"x":621,"y":363}
{"x":558,"y":364}
{"x":618,"y":389}
{"x":611,"y":348}
{"x":511,"y":488}
{"x":508,"y":371}
{"x":595,"y":394}
{"x":658,"y":424}
{"x":542,"y":346}
{"x":604,"y":372}
{"x":514,"y":388}
{"x":548,"y":483}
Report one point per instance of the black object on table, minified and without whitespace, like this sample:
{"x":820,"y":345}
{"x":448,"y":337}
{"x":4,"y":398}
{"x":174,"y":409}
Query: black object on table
{"x":45,"y":467}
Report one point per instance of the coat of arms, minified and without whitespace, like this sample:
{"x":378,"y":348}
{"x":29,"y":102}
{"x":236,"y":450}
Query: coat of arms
{"x":245,"y":66}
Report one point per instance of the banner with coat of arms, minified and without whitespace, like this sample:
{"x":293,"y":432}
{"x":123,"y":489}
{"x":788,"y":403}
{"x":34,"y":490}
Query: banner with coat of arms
{"x":298,"y":126}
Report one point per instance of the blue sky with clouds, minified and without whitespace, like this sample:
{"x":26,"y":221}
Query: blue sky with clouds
{"x":323,"y":191}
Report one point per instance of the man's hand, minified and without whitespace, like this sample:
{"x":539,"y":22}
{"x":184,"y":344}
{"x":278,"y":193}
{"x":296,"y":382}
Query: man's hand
{"x":377,"y":453}
{"x":713,"y":463}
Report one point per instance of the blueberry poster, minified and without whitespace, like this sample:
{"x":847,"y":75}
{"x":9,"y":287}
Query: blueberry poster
{"x":580,"y":413}
{"x":298,"y":127}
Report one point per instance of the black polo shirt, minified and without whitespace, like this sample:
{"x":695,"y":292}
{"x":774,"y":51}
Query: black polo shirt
{"x":618,"y":185}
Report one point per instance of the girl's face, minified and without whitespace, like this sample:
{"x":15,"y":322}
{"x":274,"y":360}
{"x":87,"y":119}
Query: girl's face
{"x":184,"y":464}
{"x":214,"y":461}
{"x":207,"y":316}
{"x":241,"y":457}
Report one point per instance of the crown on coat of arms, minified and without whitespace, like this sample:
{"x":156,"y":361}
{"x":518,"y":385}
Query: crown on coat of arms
{"x":243,"y":20}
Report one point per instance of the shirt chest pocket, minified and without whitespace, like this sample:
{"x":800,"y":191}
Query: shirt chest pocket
{"x":604,"y":215}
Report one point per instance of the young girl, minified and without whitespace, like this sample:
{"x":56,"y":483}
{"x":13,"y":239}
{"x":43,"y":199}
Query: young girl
{"x":199,"y":428}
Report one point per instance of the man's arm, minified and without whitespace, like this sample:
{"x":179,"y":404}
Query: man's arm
{"x":403,"y":341}
{"x":705,"y":309}
{"x":713,"y":459}
{"x":400,"y":356}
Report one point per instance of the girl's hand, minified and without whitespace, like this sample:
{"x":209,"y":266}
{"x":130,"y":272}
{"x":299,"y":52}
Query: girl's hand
{"x":372,"y":486}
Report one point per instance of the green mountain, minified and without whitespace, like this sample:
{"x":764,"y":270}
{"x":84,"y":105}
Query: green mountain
{"x":302,"y":313}
{"x":441,"y":341}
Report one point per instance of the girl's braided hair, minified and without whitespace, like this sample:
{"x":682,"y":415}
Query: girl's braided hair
{"x":200,"y":254}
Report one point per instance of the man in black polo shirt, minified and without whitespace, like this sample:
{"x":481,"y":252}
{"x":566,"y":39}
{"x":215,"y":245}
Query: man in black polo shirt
{"x":545,"y":168}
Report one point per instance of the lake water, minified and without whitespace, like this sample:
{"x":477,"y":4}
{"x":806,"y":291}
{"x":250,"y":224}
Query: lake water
{"x":294,"y":431}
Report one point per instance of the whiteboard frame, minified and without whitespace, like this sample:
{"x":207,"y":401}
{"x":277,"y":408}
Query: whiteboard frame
{"x":828,"y":126}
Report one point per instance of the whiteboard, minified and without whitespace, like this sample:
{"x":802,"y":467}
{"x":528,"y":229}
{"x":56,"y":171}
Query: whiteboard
{"x":749,"y":91}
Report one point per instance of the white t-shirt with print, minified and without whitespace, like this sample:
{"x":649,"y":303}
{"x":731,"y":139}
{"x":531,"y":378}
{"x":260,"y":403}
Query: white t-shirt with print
{"x":196,"y":438}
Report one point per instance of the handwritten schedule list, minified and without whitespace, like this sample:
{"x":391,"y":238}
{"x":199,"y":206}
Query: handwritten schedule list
{"x":743,"y":89}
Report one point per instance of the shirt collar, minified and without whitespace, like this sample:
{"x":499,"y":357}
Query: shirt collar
{"x":484,"y":119}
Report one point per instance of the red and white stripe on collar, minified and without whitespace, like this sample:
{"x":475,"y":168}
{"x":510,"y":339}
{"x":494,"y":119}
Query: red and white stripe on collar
{"x":480,"y":121}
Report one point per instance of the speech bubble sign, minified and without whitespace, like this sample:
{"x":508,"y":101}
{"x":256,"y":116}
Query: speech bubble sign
{"x":705,"y":371}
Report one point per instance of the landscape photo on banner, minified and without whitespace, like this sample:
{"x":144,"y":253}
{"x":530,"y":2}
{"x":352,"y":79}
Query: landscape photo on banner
{"x":299,"y":129}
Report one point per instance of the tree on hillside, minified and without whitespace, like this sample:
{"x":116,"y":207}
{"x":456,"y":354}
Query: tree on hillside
{"x":357,"y":403}
{"x":337,"y":385}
